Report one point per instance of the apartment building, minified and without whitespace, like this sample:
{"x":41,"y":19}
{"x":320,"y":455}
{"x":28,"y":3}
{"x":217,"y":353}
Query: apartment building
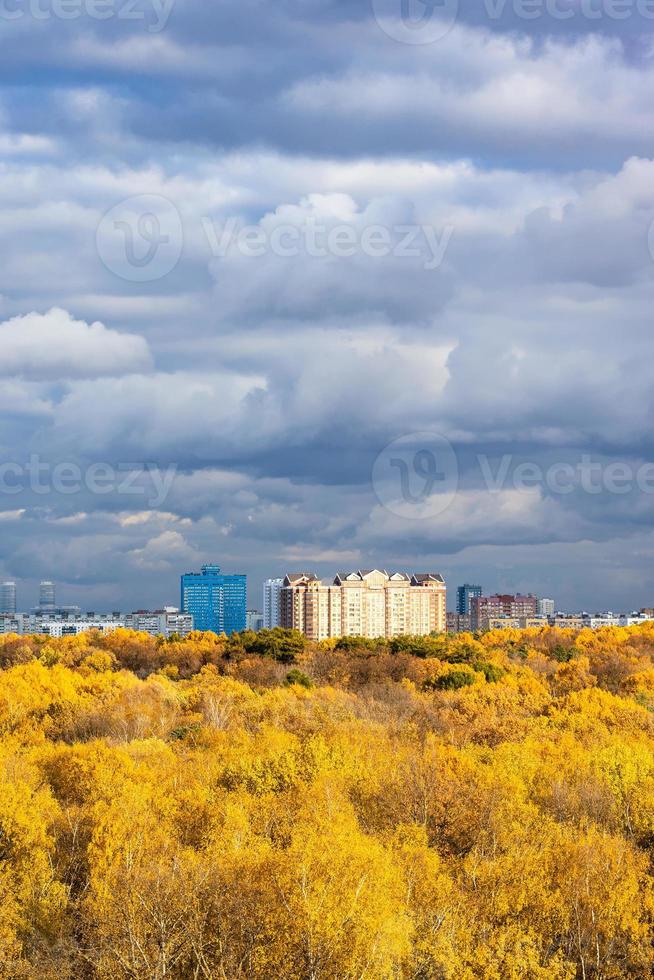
{"x":11,"y":623}
{"x":573,"y":622}
{"x":637,"y":619}
{"x":517,"y":622}
{"x":272,"y":594}
{"x":254,"y":620}
{"x":371,"y":603}
{"x":162,"y":622}
{"x":458,"y":623}
{"x":58,"y":625}
{"x":483,"y":609}
{"x":166,"y":622}
{"x":600,"y":620}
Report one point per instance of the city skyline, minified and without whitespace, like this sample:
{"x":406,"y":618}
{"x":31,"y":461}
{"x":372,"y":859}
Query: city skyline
{"x":255,"y":596}
{"x":161,"y":587}
{"x":372,"y":603}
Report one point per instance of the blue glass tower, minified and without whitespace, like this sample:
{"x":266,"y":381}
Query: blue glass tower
{"x":217,"y":602}
{"x":464,"y":596}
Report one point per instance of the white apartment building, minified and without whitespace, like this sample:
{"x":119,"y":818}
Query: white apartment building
{"x":635,"y":619}
{"x":602,"y":619}
{"x":58,"y":626}
{"x":163,"y":622}
{"x":272,"y":594}
{"x":11,"y":623}
{"x":254,"y":620}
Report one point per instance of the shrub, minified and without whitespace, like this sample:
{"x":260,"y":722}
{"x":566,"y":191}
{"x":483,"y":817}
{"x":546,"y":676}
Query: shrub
{"x":454,"y":680}
{"x":296,"y":676}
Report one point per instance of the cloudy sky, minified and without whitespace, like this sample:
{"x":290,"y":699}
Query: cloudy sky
{"x":325,"y":284}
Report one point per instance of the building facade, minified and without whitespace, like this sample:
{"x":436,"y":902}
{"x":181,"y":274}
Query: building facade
{"x":546,"y":607}
{"x":71,"y":624}
{"x":457,"y":623}
{"x":47,"y":598}
{"x":572,"y":622}
{"x":517,"y":623}
{"x":8,"y":598}
{"x":216,"y":602}
{"x":601,"y":620}
{"x":636,"y":619}
{"x":494,"y":607}
{"x":11,"y":623}
{"x":254,"y":620}
{"x":166,"y":622}
{"x":272,"y":597}
{"x":162,"y":622}
{"x":464,"y":596}
{"x":370,"y":603}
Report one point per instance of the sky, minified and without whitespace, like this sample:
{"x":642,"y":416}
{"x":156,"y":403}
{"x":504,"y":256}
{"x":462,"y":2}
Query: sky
{"x":318,"y":285}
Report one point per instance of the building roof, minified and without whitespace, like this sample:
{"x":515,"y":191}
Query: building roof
{"x":296,"y":578}
{"x":419,"y":578}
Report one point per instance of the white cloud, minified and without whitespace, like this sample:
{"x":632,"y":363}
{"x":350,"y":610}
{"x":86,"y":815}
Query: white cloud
{"x":7,"y":516}
{"x":493,"y":88}
{"x":55,"y":346}
{"x":167,"y":551}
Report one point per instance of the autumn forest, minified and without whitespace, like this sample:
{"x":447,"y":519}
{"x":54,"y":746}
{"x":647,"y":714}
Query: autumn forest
{"x":441,"y":808}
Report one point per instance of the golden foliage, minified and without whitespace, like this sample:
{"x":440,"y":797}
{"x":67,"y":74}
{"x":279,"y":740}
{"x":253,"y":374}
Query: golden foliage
{"x":462,"y":808}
